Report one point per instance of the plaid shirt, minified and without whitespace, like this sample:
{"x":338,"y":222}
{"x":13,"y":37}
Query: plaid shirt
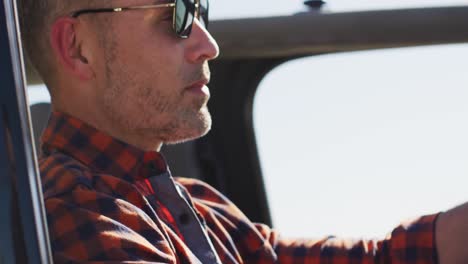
{"x":101,"y":209}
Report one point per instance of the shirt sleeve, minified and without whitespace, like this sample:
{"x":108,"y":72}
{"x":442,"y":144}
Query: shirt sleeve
{"x":409,"y":243}
{"x":90,"y":227}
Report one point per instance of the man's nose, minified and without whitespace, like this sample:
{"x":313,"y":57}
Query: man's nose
{"x":202,"y":46}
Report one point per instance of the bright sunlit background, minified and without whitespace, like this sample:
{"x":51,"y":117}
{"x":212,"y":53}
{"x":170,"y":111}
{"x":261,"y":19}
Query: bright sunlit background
{"x":353,"y":143}
{"x":367,"y":140}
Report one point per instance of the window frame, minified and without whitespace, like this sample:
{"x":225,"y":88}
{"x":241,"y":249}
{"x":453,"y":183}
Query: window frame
{"x":23,"y":224}
{"x":250,"y":48}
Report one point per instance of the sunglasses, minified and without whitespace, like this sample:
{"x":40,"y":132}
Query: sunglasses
{"x":183,"y":16}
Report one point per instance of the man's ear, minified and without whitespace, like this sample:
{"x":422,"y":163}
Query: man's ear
{"x":64,"y":43}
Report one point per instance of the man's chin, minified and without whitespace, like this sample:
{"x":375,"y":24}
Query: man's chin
{"x":194,"y":132}
{"x":186,"y":138}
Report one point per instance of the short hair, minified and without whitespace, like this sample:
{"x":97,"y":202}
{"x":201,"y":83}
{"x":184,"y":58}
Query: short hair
{"x":36,"y":18}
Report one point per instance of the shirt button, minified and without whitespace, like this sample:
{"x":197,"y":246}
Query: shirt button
{"x":184,"y":219}
{"x":152,"y":168}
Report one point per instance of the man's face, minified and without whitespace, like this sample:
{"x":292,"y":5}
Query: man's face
{"x":150,"y":81}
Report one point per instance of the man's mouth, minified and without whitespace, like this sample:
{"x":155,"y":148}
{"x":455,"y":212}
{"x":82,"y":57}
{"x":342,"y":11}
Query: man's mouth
{"x":199,"y":87}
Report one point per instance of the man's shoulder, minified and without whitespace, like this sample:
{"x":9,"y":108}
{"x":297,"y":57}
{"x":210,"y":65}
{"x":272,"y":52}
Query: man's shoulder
{"x":61,"y":173}
{"x":199,"y":189}
{"x":203,"y":193}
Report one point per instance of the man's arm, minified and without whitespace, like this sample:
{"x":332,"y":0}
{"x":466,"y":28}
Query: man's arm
{"x":410,"y":243}
{"x":452,"y":236}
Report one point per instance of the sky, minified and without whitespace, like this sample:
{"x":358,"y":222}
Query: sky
{"x":371,"y":139}
{"x":368,"y":140}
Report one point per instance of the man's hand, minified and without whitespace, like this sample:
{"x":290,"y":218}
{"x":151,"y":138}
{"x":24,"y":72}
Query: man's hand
{"x":452,"y":236}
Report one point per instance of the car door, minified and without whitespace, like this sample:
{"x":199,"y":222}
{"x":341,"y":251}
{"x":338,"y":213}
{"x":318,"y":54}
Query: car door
{"x":24,"y":236}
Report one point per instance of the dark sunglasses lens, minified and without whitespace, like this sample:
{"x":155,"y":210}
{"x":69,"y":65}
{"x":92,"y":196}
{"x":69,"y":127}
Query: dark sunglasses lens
{"x":204,"y":8}
{"x":184,"y":15}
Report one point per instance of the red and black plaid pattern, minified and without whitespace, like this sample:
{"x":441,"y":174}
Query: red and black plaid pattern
{"x":94,"y":190}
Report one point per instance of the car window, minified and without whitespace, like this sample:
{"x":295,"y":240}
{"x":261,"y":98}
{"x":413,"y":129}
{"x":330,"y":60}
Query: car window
{"x":353,"y":143}
{"x":38,"y":94}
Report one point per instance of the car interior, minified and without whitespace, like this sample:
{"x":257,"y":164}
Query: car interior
{"x":227,"y":158}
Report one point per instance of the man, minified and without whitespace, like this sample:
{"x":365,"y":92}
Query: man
{"x":125,"y":77}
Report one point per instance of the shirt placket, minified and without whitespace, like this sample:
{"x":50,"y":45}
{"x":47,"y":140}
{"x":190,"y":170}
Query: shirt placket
{"x":188,"y":224}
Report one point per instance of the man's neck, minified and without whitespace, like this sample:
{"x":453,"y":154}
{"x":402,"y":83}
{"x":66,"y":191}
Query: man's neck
{"x":96,"y":119}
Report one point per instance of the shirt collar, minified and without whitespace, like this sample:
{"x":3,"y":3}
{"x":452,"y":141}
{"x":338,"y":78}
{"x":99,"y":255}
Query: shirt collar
{"x":99,"y":151}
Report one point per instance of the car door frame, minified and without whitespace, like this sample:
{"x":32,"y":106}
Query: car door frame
{"x":22,"y":224}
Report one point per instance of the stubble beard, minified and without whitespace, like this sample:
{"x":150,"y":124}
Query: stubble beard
{"x":154,"y":119}
{"x":145,"y":112}
{"x":189,"y":128}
